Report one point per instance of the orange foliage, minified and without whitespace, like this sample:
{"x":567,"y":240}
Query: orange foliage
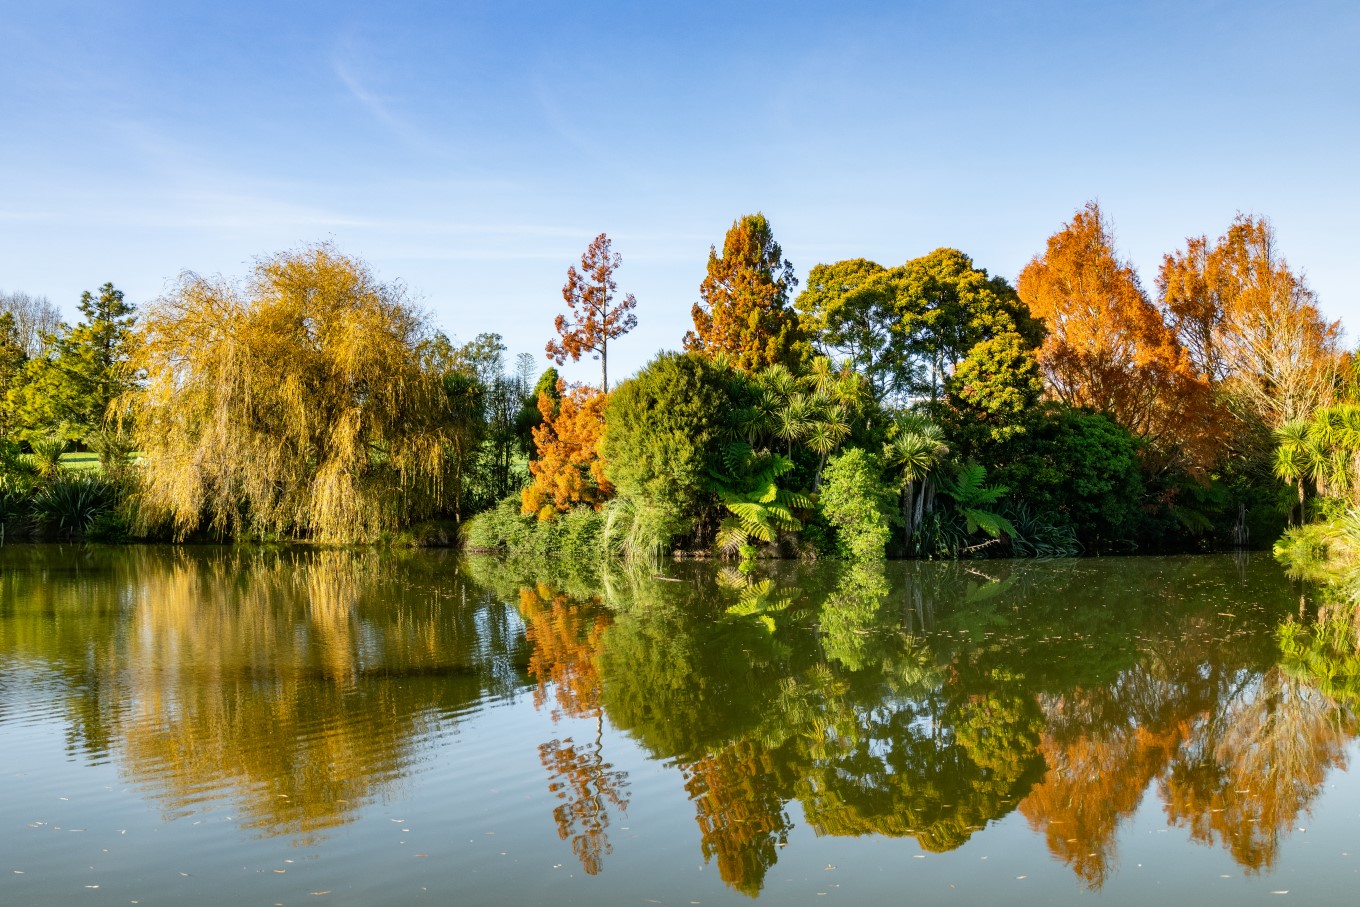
{"x":595,"y":321}
{"x":587,"y":786}
{"x":1109,"y":349}
{"x":744,"y":311}
{"x":740,"y":813}
{"x":565,"y":640}
{"x":569,"y":470}
{"x":1244,"y":318}
{"x":1244,"y":779}
{"x":1094,"y":783}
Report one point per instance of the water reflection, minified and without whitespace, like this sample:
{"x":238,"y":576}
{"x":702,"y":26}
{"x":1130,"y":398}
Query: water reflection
{"x":913,"y":700}
{"x":935,"y":701}
{"x":564,"y":637}
{"x":297,"y":684}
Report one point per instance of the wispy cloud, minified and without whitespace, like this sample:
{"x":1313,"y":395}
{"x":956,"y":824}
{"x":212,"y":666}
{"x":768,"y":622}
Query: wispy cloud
{"x":344,"y":63}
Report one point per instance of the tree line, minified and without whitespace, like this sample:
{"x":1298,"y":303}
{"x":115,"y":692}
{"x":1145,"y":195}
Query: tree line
{"x":928,"y":409}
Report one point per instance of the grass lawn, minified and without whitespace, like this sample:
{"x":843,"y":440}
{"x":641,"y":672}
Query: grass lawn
{"x":79,"y":462}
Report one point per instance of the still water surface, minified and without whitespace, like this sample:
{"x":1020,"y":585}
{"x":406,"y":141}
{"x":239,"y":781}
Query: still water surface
{"x":229,"y":727}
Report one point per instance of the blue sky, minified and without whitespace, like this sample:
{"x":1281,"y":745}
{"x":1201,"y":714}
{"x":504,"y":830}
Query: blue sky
{"x":472,"y":150}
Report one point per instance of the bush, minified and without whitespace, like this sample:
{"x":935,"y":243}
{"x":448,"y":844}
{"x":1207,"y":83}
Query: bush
{"x":574,"y":535}
{"x":857,"y":502}
{"x":662,"y":429}
{"x":1076,"y":468}
{"x":13,"y":504}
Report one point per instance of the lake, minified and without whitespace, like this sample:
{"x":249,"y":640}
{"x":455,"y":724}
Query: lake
{"x":239,"y":726}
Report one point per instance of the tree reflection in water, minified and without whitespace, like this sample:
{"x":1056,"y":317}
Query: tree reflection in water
{"x":909,"y":700}
{"x":564,"y":637}
{"x":296,"y":684}
{"x":929,"y":700}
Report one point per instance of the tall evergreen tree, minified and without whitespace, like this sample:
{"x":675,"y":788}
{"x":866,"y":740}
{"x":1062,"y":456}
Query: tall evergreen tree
{"x":69,"y":390}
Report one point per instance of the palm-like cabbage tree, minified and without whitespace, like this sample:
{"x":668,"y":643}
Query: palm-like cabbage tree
{"x":917,"y":449}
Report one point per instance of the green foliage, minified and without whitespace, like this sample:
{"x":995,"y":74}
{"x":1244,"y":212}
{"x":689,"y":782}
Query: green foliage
{"x":466,"y":396}
{"x":636,"y":530}
{"x":1039,"y":536}
{"x":529,"y":415}
{"x":69,"y":390}
{"x":114,"y":449}
{"x":45,"y":459}
{"x":973,"y":509}
{"x":948,"y":306}
{"x":498,"y":465}
{"x":858,"y":503}
{"x":13,"y":504}
{"x":1073,"y":468}
{"x":13,"y":356}
{"x":663,"y":428}
{"x":576,"y":535}
{"x":975,"y":500}
{"x":850,"y":309}
{"x":851,"y":611}
{"x":747,"y":484}
{"x":72,"y":504}
{"x":814,"y":412}
{"x":993,"y":389}
{"x":1324,"y":655}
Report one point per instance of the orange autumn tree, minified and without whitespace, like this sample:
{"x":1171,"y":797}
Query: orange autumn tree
{"x":1109,"y":349}
{"x":744,"y":310}
{"x":566,"y":637}
{"x":1248,"y":322}
{"x":568,"y":470}
{"x":598,"y":315}
{"x":741,"y":815}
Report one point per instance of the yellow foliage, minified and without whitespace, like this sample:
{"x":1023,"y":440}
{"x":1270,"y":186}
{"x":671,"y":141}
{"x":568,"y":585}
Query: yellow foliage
{"x":296,"y":405}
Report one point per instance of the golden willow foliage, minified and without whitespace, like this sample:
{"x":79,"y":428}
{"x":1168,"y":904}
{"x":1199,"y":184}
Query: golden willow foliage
{"x":296,"y":405}
{"x":568,"y":469}
{"x":1109,"y":349}
{"x":1247,"y":321}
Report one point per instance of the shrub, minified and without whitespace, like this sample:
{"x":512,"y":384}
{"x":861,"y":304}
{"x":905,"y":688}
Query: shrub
{"x":662,"y":429}
{"x":70,"y":505}
{"x":573,"y":535}
{"x":857,"y":502}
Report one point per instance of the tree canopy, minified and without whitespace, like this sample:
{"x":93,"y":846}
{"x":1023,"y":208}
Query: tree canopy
{"x":1109,"y":349}
{"x":69,"y":387}
{"x":1247,"y":321}
{"x":297,"y":404}
{"x":743,"y":310}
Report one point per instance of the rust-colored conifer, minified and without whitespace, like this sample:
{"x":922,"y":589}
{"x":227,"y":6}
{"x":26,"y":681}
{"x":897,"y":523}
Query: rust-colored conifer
{"x":598,"y":315}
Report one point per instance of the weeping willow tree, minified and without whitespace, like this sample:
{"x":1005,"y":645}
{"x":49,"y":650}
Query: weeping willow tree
{"x":295,"y":405}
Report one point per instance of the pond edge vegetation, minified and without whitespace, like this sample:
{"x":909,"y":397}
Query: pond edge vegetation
{"x":926,"y":410}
